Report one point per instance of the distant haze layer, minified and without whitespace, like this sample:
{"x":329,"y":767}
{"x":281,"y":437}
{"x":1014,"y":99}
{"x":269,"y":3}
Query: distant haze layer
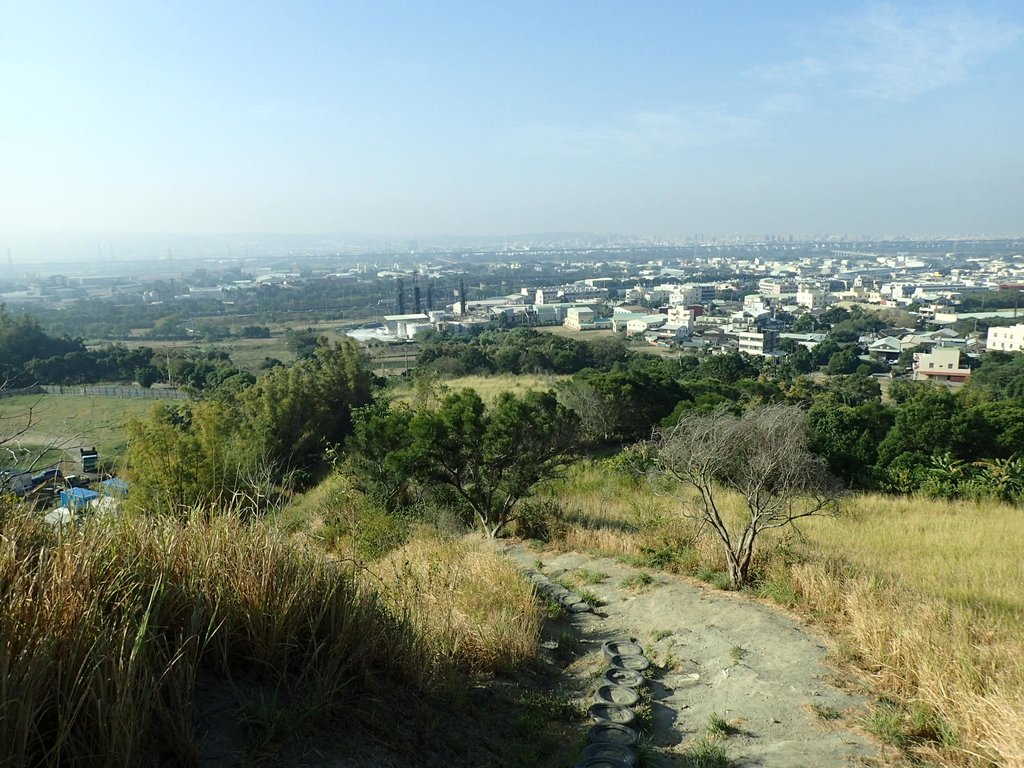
{"x":662,"y":120}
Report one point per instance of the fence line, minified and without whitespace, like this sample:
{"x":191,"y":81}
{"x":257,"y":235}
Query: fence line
{"x":33,"y":390}
{"x":137,"y":393}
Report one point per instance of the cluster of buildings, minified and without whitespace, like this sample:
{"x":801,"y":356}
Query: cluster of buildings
{"x":756,"y":316}
{"x":708,"y":296}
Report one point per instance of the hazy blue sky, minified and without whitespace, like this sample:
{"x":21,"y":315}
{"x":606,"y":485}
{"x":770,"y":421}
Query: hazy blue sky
{"x":427,"y":118}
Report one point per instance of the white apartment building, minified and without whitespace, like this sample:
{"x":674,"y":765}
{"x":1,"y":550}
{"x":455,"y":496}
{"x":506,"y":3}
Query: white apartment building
{"x":644,"y":323}
{"x":689,"y":293}
{"x":579,"y":317}
{"x":681,"y":317}
{"x":1010,"y":339}
{"x":775,"y":287}
{"x":812,"y":297}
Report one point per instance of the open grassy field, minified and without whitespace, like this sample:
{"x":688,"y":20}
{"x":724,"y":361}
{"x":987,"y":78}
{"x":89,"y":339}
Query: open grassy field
{"x":572,"y":333}
{"x":249,"y":354}
{"x":67,"y":422}
{"x":489,"y":387}
{"x":925,"y":596}
{"x":966,"y":552}
{"x":245,"y":353}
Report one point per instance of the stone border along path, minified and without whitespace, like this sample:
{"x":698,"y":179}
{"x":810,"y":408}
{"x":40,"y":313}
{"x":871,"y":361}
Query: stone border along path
{"x":612,"y":738}
{"x":718,"y":654}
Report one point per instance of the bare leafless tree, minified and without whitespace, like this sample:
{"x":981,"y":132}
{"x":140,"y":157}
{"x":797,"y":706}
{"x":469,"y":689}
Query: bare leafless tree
{"x":600,"y":418}
{"x":762,"y":455}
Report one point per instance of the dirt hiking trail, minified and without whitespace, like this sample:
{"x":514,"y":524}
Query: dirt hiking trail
{"x":716,"y":654}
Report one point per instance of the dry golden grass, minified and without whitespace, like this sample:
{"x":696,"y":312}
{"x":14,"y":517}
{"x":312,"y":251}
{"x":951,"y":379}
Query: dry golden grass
{"x":469,"y":604}
{"x":968,"y":670}
{"x":926,"y":596}
{"x":610,"y":515}
{"x":968,"y":552}
{"x":933,"y":603}
{"x":104,"y":627}
{"x":467,"y":608}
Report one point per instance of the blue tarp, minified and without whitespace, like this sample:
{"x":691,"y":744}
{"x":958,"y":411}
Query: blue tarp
{"x":115,"y":486}
{"x":73,"y":498}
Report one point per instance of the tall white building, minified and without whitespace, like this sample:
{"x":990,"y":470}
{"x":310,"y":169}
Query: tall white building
{"x":1010,"y":339}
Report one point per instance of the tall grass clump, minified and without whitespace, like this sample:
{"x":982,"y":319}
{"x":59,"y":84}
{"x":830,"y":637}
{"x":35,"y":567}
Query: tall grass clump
{"x":105,"y":626}
{"x":347,"y":522}
{"x":470,"y":606}
{"x":610,"y":512}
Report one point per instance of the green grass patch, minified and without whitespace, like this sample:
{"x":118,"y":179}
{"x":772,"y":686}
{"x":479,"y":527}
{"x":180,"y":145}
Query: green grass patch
{"x":780,"y":591}
{"x":719,"y":726}
{"x":716,"y":578}
{"x":825,"y":713}
{"x":637,"y":581}
{"x":66,"y":422}
{"x":706,"y":752}
{"x":587,"y":576}
{"x":885,"y":722}
{"x":664,"y":557}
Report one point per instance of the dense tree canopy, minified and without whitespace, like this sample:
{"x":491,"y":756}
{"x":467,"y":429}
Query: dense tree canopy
{"x":486,"y":459}
{"x":252,"y":439}
{"x":522,"y":350}
{"x":22,"y":339}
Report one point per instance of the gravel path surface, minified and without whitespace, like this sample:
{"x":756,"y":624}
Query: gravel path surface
{"x":719,"y":654}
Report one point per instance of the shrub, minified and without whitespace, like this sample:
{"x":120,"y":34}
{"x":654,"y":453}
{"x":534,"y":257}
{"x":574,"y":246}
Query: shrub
{"x":541,"y":520}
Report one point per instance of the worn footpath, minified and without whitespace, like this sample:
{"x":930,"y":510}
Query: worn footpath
{"x":721,"y":655}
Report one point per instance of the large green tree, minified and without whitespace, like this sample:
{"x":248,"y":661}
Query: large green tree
{"x":382,"y":458}
{"x":291,"y":416}
{"x":846,"y":438}
{"x":492,"y":458}
{"x":487,"y":459}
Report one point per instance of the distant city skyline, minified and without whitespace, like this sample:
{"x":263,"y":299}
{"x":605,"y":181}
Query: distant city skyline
{"x":460,"y":120}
